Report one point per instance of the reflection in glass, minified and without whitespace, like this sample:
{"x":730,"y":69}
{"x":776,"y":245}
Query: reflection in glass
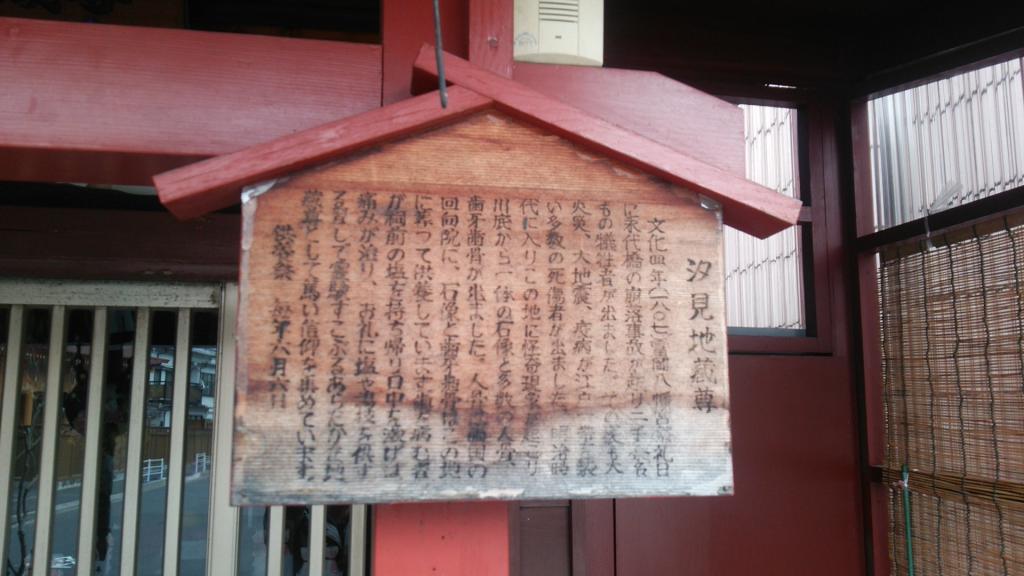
{"x":296,"y":540}
{"x":195,"y":500}
{"x":112,"y":461}
{"x":337,"y":539}
{"x":156,"y":444}
{"x":28,"y":435}
{"x":70,"y":455}
{"x":253,"y":535}
{"x":295,"y":554}
{"x":4,"y":329}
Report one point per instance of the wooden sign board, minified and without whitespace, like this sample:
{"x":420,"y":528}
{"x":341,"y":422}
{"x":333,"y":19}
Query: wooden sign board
{"x":480,"y":311}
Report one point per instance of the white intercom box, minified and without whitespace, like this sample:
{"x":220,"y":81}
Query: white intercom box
{"x":560,"y":31}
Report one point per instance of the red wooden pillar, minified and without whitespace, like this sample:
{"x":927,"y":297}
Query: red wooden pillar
{"x":490,"y":35}
{"x":405,"y":26}
{"x":462,"y":538}
{"x":456,"y":538}
{"x":877,"y":510}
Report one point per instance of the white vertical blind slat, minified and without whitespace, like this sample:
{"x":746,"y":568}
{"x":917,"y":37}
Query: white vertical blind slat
{"x":223,"y":516}
{"x":176,"y":468}
{"x":136,"y":416}
{"x":316,"y":540}
{"x":10,"y":397}
{"x":357,"y":541}
{"x":275,"y":543}
{"x":93,"y":430}
{"x":48,"y":449}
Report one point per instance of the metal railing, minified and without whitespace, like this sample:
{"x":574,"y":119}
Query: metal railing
{"x":19,"y":296}
{"x":153,"y":469}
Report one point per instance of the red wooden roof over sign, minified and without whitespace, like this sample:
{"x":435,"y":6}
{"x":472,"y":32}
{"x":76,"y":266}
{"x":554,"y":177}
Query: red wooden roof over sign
{"x":216,"y":183}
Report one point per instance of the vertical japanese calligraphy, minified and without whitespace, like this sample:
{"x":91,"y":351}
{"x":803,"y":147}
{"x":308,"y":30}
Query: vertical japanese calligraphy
{"x":309,"y":343}
{"x":407,"y":342}
{"x":479,"y":343}
{"x":338,"y":287}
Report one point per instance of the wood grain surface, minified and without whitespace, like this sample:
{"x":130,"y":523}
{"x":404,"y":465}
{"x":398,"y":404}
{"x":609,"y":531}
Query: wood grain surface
{"x":480,"y":311}
{"x":97,"y":103}
{"x":217,"y":182}
{"x":655,"y":106}
{"x":746,"y":205}
{"x":491,"y":35}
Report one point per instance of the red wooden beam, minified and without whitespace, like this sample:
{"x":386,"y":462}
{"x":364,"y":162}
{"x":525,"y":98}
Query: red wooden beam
{"x":655,"y":106}
{"x":217,"y":182}
{"x":114,"y":104}
{"x":747,"y":206}
{"x":644,"y":102}
{"x":117,"y":245}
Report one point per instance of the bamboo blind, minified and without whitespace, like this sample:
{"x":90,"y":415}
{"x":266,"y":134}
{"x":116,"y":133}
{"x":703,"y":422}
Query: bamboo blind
{"x":952,"y":314}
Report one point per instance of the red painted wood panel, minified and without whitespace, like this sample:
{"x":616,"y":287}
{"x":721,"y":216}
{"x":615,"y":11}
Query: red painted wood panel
{"x":405,"y":26}
{"x":593,"y":538}
{"x":672,"y":113}
{"x":545,"y":541}
{"x":491,"y":36}
{"x":879,"y":507}
{"x":117,"y":245}
{"x":871,"y":355}
{"x":216,"y":183}
{"x":797,"y":502}
{"x":745,"y":205}
{"x":460,"y":538}
{"x":112,"y":104}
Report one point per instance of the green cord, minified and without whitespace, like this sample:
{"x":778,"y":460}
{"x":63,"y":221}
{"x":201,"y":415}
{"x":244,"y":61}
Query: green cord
{"x":906,"y":520}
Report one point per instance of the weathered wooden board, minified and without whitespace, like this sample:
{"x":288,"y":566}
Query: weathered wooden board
{"x":481,"y":311}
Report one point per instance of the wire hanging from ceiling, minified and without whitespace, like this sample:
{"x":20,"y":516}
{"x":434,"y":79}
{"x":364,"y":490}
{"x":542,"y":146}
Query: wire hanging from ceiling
{"x":439,"y":53}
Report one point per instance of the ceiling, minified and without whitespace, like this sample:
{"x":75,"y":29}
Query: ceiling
{"x":804,"y":43}
{"x":796,"y":42}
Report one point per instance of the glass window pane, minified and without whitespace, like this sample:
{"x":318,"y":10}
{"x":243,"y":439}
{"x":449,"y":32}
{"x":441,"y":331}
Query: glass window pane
{"x":337,"y":539}
{"x":295,"y":555}
{"x":156,"y":444}
{"x":28,"y":434}
{"x":195,"y":503}
{"x":5,"y":318}
{"x":117,"y":390}
{"x":947,"y":143}
{"x":764,"y":278}
{"x":70,"y":449}
{"x":253,"y":535}
{"x":254,"y":526}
